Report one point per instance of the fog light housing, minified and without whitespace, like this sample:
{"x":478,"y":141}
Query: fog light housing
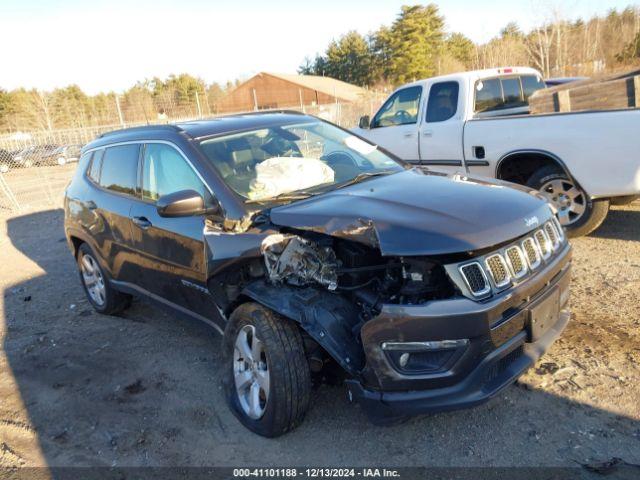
{"x":424,"y":357}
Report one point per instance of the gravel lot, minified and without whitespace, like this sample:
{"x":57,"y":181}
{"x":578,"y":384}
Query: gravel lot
{"x":78,"y":388}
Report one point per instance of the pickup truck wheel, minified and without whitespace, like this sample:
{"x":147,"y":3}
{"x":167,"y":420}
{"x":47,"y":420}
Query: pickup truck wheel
{"x":102,"y":296}
{"x":576,"y":211}
{"x":267,"y":380}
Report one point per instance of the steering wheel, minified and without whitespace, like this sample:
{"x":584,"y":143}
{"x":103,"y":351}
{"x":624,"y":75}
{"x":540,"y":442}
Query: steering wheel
{"x":402,"y":116}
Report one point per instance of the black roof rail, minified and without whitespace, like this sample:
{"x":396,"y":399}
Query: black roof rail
{"x":143,"y":128}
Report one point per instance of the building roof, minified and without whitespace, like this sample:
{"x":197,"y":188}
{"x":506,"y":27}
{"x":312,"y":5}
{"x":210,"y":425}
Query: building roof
{"x":327,"y":85}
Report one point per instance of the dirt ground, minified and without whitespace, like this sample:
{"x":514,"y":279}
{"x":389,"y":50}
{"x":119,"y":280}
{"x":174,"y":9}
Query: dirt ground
{"x":78,"y":388}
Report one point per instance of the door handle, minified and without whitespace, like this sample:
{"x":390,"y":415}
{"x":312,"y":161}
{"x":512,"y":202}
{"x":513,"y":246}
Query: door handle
{"x":408,"y":135}
{"x":427,"y":133}
{"x":142,"y":222}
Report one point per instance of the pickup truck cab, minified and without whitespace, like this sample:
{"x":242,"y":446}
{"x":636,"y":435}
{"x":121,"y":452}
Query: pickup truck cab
{"x":478,"y":122}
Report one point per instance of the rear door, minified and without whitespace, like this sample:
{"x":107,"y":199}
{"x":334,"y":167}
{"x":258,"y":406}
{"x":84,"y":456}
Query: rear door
{"x":441,"y":130}
{"x":395,"y":126}
{"x":115,"y":172}
{"x":170,"y":251}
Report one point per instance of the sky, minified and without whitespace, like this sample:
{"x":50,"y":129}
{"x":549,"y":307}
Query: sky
{"x":109,"y":45}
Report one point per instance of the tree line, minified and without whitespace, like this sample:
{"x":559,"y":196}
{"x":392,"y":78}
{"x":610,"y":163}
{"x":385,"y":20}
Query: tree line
{"x":416,"y":46}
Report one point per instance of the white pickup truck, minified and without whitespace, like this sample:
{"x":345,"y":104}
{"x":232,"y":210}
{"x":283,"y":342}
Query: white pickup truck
{"x":478,"y":122}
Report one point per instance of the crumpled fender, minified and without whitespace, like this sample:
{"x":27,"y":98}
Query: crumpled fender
{"x":326,"y":317}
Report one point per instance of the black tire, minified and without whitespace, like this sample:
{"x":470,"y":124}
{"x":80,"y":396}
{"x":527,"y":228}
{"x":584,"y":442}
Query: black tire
{"x":114,"y":302}
{"x":595,"y":211}
{"x":288,"y":370}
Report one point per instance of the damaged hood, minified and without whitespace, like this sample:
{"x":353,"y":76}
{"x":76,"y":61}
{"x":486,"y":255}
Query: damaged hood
{"x":418,"y":212}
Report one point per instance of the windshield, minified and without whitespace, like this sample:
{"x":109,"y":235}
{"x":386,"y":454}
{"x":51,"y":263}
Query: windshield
{"x":263,"y":164}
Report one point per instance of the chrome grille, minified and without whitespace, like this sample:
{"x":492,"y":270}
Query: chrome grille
{"x":533,"y":254}
{"x":559,"y":229}
{"x":498,"y":270}
{"x":543,"y":242}
{"x":516,"y":261}
{"x":475,"y":278}
{"x":550,"y":229}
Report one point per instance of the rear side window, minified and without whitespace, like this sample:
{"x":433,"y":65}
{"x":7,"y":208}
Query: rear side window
{"x":512,"y":92}
{"x":120,"y":168}
{"x":96,"y":165}
{"x":443,"y":101}
{"x":488,"y":95}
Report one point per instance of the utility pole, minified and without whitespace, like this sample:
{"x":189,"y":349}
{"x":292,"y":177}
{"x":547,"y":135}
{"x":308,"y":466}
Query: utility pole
{"x":198,"y":105}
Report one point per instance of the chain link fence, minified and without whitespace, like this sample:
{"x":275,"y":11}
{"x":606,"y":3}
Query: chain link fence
{"x":36,"y":166}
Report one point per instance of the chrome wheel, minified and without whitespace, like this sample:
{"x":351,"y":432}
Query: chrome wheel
{"x":93,"y":279}
{"x":570,"y":201}
{"x":251,"y":372}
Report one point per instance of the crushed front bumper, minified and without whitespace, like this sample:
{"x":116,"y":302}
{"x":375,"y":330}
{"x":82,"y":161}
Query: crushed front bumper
{"x":503,"y":343}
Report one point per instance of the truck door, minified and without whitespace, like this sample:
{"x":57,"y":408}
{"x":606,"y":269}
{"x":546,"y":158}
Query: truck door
{"x":395,"y":126}
{"x":441,"y":130}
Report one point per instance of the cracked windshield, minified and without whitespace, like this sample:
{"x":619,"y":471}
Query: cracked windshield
{"x":263,"y":164}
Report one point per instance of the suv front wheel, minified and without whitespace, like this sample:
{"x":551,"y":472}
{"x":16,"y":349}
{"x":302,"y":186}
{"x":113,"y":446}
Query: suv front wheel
{"x":267,"y":379}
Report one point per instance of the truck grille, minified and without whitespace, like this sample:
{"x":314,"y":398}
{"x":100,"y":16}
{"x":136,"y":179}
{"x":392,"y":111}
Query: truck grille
{"x":516,"y":261}
{"x":513,"y":262}
{"x":475,"y":278}
{"x":498,"y":270}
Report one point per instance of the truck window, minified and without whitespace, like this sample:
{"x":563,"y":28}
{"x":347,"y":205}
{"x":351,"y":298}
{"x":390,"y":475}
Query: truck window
{"x":505,"y":92}
{"x":531,"y":84}
{"x":400,"y":109}
{"x":443,"y":101}
{"x":488,"y":95}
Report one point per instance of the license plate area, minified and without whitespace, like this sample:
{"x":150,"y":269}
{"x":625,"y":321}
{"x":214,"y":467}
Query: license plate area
{"x":544,"y":314}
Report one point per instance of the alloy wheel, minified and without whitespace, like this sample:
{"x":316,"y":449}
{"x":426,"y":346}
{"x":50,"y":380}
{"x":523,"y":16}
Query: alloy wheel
{"x":569,"y":200}
{"x":93,"y":279}
{"x":251,"y":372}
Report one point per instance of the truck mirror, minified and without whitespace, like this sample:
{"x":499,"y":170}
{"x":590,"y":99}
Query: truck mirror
{"x":364,"y":122}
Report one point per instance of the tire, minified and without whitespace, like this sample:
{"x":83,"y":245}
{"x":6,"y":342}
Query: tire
{"x":110,"y":301}
{"x":576,"y":211}
{"x":282,"y":400}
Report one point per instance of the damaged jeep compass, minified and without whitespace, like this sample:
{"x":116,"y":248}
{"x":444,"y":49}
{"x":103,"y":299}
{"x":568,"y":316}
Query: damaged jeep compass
{"x":321,"y":257}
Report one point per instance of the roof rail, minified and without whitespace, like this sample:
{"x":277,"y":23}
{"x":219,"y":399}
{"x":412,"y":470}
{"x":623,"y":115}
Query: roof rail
{"x":143,"y":128}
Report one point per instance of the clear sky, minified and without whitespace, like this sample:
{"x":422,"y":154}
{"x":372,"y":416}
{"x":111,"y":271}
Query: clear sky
{"x":109,"y":45}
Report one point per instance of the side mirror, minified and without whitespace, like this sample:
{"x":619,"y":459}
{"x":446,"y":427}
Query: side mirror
{"x":364,"y":122}
{"x":185,"y":203}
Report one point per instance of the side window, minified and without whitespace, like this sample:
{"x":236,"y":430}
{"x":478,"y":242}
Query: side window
{"x":120,"y":168}
{"x":488,"y":95}
{"x":165,"y":171}
{"x":531,"y":84}
{"x":400,"y":109}
{"x":443,"y":101}
{"x":96,"y":165}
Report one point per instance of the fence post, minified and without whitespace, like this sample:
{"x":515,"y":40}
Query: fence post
{"x":119,"y":111}
{"x":198,"y":105}
{"x":255,"y":100}
{"x":8,"y":192}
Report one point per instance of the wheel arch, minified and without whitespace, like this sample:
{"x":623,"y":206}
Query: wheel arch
{"x":533,"y":160}
{"x":326,"y":317}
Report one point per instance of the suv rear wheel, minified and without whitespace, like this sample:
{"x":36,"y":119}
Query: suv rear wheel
{"x":103,"y":298}
{"x":576,"y":211}
{"x":267,"y":379}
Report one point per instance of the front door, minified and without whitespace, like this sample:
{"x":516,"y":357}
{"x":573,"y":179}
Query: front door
{"x":441,"y":130}
{"x":395,"y":126}
{"x":171,"y":251}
